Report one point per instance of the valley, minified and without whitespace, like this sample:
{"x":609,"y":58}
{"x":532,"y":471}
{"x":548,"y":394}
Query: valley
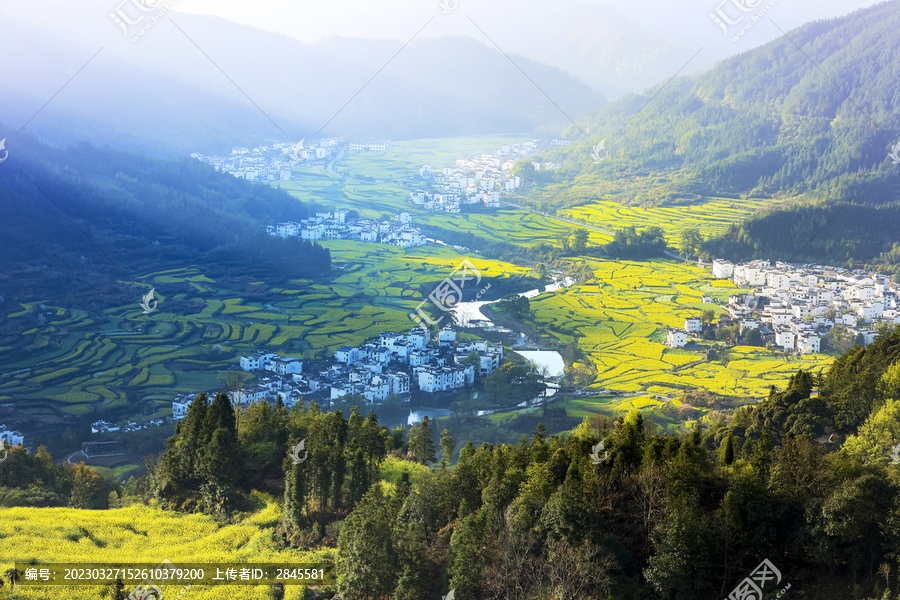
{"x":125,"y":365}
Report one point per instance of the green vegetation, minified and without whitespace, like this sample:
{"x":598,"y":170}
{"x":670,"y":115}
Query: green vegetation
{"x":123,"y":363}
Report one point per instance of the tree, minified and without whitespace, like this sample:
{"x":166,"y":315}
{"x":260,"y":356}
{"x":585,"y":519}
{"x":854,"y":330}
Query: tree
{"x":421,"y":442}
{"x":689,"y":241}
{"x":525,"y":169}
{"x":726,"y":453}
{"x":295,"y":497}
{"x":562,"y":237}
{"x":580,"y":240}
{"x":233,"y":381}
{"x":877,"y":437}
{"x":446,"y":448}
{"x":89,"y":490}
{"x":735,"y":375}
{"x":754,"y":338}
{"x":367,"y":563}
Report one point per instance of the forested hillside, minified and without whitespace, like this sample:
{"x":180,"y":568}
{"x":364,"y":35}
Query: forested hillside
{"x":73,"y":220}
{"x":810,"y":117}
{"x":808,"y":479}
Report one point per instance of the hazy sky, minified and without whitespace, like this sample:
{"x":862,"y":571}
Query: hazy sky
{"x":683,"y":21}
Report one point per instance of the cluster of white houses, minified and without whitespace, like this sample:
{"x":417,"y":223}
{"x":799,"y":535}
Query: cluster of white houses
{"x":478,"y":180}
{"x":432,"y":368}
{"x":269,"y":163}
{"x":797,"y":304}
{"x":107,"y":427}
{"x":336,"y":226}
{"x":10,"y":437}
{"x":394,"y":363}
{"x":378,"y":146}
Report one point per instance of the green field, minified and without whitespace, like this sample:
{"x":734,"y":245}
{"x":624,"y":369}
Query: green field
{"x":619,"y":322}
{"x":76,"y":365}
{"x":79,"y":367}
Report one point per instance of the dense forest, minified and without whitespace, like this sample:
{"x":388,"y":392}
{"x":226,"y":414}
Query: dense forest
{"x":809,"y":117}
{"x":807,"y":480}
{"x":852,"y":235}
{"x":78,"y":219}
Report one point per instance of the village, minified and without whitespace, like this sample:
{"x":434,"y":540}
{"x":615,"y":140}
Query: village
{"x":9,"y":437}
{"x":336,"y":226}
{"x":471,"y":181}
{"x":795,"y":307}
{"x":475,"y":181}
{"x":271,"y":162}
{"x":393,"y":365}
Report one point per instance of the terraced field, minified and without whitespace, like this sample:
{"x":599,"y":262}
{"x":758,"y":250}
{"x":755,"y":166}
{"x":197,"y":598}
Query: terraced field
{"x":619,"y":321}
{"x":80,"y":367}
{"x":404,"y":159}
{"x":711,"y":218}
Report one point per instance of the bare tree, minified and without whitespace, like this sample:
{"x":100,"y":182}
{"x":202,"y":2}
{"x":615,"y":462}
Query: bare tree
{"x":514,"y":570}
{"x":234,"y":381}
{"x":577,"y":574}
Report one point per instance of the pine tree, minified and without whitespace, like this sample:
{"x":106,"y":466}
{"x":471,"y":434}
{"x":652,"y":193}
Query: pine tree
{"x":421,"y":442}
{"x":446,"y":448}
{"x":295,"y":497}
{"x":367,"y":568}
{"x":726,"y":454}
{"x":415,"y":579}
{"x":359,"y":476}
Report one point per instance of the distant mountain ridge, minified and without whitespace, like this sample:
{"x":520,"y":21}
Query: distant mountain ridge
{"x":219,"y":84}
{"x":810,"y":117}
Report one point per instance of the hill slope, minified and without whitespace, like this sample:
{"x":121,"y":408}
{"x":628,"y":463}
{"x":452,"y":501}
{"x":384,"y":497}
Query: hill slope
{"x":75,"y":221}
{"x":811,"y":116}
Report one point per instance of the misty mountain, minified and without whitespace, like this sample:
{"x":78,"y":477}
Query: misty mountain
{"x":198,"y":83}
{"x":82,"y":219}
{"x":814,"y":124}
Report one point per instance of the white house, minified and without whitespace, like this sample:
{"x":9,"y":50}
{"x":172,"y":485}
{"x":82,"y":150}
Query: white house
{"x":286,"y":366}
{"x":447,"y":337}
{"x":180,"y":408}
{"x":347,"y":355}
{"x":257,"y":361}
{"x":13,"y":438}
{"x":693,"y":324}
{"x":808,"y":344}
{"x":785,"y":338}
{"x":722,"y":269}
{"x":676,"y":338}
{"x":871,"y":311}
